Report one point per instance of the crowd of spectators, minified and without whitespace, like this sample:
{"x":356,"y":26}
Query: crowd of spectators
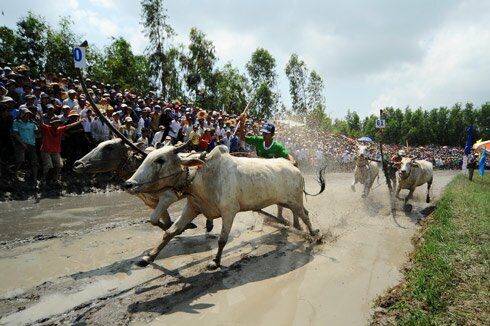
{"x":47,"y":122}
{"x":312,"y":147}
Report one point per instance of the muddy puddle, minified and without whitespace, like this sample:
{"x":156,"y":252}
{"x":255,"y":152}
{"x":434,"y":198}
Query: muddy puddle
{"x":271,"y":274}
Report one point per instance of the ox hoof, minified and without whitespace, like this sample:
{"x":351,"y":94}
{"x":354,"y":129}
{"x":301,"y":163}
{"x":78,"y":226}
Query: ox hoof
{"x":298,"y":227}
{"x":363,"y":196}
{"x":353,"y":188}
{"x":190,"y":226}
{"x":407,"y":208}
{"x":427,"y":200}
{"x":142,"y":263}
{"x":213,"y":266}
{"x":209,"y":225}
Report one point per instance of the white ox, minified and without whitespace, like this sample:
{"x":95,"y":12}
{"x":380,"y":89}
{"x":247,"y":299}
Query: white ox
{"x":221,"y":187}
{"x":365,"y":171}
{"x":414,"y":173}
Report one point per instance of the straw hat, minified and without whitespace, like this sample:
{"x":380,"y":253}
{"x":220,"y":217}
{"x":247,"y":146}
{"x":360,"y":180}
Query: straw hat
{"x":201,"y":115}
{"x":73,"y":113}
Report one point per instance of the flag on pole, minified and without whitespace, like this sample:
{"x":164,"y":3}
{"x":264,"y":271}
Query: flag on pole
{"x":467,"y":148}
{"x":482,"y":162}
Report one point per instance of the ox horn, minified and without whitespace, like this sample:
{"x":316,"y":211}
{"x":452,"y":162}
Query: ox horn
{"x":181,"y":147}
{"x":104,"y":119}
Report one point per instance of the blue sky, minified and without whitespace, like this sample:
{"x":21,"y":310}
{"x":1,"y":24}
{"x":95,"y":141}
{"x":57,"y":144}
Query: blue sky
{"x":370,"y":54}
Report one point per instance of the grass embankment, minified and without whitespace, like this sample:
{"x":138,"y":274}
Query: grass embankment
{"x":447,"y":280}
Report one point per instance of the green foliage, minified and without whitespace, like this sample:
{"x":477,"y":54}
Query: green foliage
{"x":297,"y":73}
{"x":262,"y":72}
{"x":319,"y":120}
{"x":32,"y":36}
{"x":232,"y":90}
{"x":8,"y":42}
{"x":314,"y":91}
{"x":439,"y":126}
{"x":158,"y":31}
{"x":448,"y":283}
{"x":59,"y":52}
{"x":198,"y":64}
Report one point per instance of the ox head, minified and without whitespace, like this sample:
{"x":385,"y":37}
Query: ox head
{"x":163,"y":168}
{"x":407,"y":164}
{"x":362,"y":155}
{"x":106,"y":157}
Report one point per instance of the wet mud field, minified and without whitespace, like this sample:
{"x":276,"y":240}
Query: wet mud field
{"x":71,"y":261}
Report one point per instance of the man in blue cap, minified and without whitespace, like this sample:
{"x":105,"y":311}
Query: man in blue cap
{"x":265,"y":145}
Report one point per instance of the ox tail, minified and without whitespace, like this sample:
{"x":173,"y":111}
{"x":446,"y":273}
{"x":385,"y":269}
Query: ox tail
{"x":320,"y":180}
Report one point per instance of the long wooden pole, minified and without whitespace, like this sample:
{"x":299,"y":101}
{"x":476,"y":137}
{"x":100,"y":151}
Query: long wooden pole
{"x":243,"y":112}
{"x":103,"y":118}
{"x":384,"y":164}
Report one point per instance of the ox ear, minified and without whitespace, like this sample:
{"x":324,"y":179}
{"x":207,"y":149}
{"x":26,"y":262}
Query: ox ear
{"x":188,"y":162}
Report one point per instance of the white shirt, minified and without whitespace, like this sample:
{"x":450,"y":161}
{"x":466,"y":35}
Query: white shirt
{"x":157,"y":138}
{"x":174,"y":128}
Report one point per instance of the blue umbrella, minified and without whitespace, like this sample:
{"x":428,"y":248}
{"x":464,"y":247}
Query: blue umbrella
{"x":366,"y":139}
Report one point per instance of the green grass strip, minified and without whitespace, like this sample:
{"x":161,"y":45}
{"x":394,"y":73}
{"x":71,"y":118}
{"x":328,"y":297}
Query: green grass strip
{"x":448,"y":282}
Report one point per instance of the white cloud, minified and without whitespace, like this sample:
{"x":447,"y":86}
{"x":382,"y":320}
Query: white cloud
{"x":455,"y":65}
{"x":108,"y":4}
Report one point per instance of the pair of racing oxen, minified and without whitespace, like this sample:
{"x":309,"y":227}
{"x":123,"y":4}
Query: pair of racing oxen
{"x":221,"y":185}
{"x":412,"y":173}
{"x":215,"y":185}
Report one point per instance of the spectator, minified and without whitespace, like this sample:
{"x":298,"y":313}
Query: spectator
{"x":100,"y":131}
{"x":71,"y":101}
{"x":128,"y":130}
{"x":23,"y":131}
{"x":157,"y":139}
{"x":143,"y":141}
{"x":51,"y":147}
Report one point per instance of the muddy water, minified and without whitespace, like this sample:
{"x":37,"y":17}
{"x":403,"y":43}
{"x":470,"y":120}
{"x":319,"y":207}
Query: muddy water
{"x":271,"y":275}
{"x":83,"y":213}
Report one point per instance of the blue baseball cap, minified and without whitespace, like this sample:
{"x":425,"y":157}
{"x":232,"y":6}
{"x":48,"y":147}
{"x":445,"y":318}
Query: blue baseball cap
{"x":268,"y":128}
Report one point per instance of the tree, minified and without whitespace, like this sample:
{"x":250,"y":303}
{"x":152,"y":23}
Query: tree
{"x":319,"y":120}
{"x":369,"y":127}
{"x":232,"y":89}
{"x":59,"y":53}
{"x":158,"y":31}
{"x":174,"y":80}
{"x":199,"y":66}
{"x":483,"y":121}
{"x":353,"y":123}
{"x":297,"y":73}
{"x":8,"y":43}
{"x":120,"y":61}
{"x":32,"y":35}
{"x":261,"y":70}
{"x":314,"y":91}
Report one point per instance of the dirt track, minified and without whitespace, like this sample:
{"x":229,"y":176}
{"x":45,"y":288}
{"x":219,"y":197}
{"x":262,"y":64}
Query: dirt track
{"x":80,"y":269}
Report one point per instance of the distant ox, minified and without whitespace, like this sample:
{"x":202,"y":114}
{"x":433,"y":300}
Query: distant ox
{"x":221,"y":187}
{"x":365,"y":171}
{"x":414,"y":173}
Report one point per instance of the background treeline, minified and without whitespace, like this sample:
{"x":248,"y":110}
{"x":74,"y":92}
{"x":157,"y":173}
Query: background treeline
{"x":192,"y":73}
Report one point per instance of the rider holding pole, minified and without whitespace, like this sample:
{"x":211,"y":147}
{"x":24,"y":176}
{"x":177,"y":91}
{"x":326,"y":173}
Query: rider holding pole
{"x":265,"y":146}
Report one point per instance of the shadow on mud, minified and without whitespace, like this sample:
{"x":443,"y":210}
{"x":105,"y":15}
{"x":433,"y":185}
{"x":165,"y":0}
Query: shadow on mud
{"x":283,"y":258}
{"x":179,"y":246}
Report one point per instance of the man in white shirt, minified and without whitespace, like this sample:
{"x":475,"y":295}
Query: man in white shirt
{"x":100,"y":131}
{"x":157,"y":138}
{"x":71,"y":101}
